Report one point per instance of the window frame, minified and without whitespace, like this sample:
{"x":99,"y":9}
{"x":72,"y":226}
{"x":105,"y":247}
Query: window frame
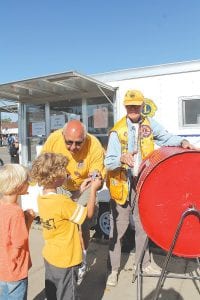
{"x":182,"y":112}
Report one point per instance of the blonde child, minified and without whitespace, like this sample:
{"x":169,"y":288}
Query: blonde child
{"x":60,"y":217}
{"x":14,"y":229}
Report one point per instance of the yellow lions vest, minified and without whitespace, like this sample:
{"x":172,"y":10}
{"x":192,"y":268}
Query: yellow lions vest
{"x":117,"y":179}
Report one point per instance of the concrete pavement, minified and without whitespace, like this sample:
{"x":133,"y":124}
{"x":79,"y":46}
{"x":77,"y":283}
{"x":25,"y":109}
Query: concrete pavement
{"x":4,"y":154}
{"x":94,"y":285}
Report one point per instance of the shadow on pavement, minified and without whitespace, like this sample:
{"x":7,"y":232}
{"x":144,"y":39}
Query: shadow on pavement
{"x":94,"y":283}
{"x":166,"y":295}
{"x":40,"y":296}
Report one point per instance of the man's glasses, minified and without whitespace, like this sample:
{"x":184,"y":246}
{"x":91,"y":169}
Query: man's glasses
{"x":77,"y":143}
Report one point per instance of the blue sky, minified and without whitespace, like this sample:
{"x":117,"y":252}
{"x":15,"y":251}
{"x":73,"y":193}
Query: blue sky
{"x":44,"y":37}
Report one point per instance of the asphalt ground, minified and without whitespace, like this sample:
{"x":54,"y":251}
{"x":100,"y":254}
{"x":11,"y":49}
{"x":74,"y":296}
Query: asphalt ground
{"x":4,"y":154}
{"x":94,"y":286}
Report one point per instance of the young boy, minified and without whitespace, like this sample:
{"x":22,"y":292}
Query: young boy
{"x":14,"y":227}
{"x":60,"y":217}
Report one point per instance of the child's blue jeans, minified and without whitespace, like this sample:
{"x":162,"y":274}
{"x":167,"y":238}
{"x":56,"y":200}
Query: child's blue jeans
{"x":14,"y":290}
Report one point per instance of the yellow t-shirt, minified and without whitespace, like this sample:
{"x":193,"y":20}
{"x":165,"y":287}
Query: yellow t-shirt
{"x":59,"y":218}
{"x":90,"y":157}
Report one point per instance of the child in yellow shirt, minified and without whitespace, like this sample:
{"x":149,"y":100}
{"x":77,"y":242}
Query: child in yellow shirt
{"x":60,"y":217}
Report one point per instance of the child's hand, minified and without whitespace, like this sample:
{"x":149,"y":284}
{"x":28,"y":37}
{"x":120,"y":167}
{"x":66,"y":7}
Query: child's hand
{"x":29,"y":217}
{"x":85,"y":184}
{"x":29,"y":213}
{"x":96,"y":183}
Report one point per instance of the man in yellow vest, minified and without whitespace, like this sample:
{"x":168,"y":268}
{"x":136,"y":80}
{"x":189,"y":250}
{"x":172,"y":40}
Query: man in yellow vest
{"x":130,"y":141}
{"x":85,"y":156}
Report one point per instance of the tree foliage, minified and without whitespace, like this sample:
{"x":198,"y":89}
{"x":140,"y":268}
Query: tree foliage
{"x":6,"y":120}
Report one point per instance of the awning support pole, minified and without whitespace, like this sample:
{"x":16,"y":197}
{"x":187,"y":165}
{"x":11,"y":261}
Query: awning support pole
{"x":105,"y":95}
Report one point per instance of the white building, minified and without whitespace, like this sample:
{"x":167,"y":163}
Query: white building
{"x":46,"y":103}
{"x":174,"y":88}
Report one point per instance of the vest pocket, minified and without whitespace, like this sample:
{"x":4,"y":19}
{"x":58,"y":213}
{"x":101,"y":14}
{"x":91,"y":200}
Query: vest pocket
{"x":118,"y":186}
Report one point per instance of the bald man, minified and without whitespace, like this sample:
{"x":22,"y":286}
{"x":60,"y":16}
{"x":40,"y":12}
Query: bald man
{"x":86,"y":158}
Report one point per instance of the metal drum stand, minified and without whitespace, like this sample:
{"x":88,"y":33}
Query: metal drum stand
{"x":138,"y":273}
{"x":169,"y":208}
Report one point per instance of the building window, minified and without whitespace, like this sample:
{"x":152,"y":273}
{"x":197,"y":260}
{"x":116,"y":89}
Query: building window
{"x":100,"y":118}
{"x":98,"y":115}
{"x":64,"y":111}
{"x":190,"y":111}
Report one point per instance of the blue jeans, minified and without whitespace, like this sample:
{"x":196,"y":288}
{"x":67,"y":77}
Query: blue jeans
{"x":14,"y":290}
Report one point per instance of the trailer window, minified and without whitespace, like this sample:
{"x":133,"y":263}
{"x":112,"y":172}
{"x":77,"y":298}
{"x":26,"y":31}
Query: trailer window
{"x":190,"y":112}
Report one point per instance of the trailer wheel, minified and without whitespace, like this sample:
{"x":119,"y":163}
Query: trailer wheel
{"x":102,"y":227}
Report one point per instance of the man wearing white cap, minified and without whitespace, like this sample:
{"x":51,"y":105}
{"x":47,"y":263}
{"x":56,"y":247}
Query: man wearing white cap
{"x":131,"y":140}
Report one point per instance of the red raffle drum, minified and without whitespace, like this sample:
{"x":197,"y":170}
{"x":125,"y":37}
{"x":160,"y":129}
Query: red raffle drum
{"x":169,"y":184}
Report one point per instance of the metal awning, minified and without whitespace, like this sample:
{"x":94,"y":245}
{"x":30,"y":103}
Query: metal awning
{"x":63,"y":86}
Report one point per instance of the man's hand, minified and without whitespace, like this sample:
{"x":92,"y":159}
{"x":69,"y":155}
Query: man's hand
{"x":186,"y":145}
{"x":96,"y":174}
{"x":127,"y":158}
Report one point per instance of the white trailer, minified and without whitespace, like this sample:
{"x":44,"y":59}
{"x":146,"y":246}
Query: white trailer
{"x":174,"y":88}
